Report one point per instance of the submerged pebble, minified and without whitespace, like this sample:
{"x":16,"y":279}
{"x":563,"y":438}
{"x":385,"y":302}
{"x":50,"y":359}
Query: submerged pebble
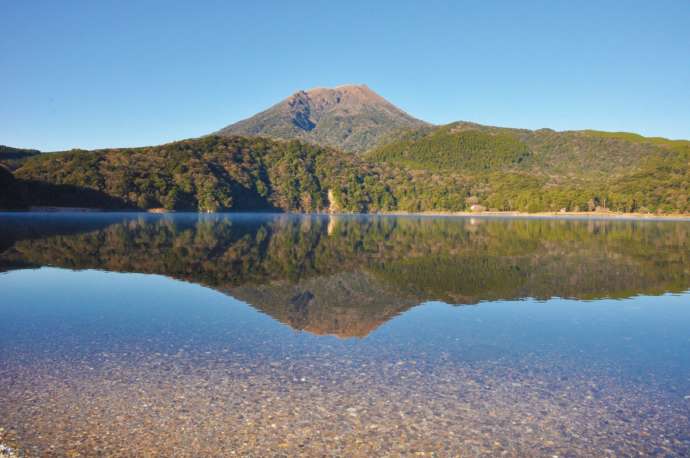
{"x":7,"y":451}
{"x":216,"y":404}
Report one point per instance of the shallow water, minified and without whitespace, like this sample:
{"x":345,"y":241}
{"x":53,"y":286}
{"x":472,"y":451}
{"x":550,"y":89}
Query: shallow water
{"x":188,"y":335}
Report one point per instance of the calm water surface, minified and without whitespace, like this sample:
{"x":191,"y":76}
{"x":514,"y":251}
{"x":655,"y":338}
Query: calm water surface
{"x":264,"y":335}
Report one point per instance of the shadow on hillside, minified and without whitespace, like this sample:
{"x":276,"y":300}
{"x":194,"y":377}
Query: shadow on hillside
{"x":248,"y":200}
{"x":17,"y":194}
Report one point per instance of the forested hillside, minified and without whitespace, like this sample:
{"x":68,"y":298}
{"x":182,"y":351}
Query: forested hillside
{"x":213,"y":174}
{"x":11,"y":157}
{"x":307,"y":154}
{"x":515,"y":169}
{"x":445,"y":169}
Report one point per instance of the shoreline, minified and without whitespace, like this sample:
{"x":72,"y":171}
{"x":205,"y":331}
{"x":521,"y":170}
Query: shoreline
{"x":464,"y":214}
{"x":552,"y":215}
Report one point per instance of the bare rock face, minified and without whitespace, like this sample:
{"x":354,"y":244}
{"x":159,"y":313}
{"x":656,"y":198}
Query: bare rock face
{"x":300,"y":111}
{"x":352,"y":118}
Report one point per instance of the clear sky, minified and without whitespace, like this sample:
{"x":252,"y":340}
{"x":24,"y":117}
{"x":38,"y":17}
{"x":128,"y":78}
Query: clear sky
{"x":103,"y":73}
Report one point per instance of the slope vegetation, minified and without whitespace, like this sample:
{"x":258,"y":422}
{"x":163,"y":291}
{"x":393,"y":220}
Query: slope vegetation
{"x":516,"y":169}
{"x":12,"y":158}
{"x":214,"y":174}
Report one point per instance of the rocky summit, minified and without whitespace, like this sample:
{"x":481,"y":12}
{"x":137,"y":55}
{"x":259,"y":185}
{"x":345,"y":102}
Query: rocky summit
{"x":352,"y":118}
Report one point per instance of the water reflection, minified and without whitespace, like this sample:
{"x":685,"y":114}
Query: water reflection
{"x":98,"y":357}
{"x":347,"y":275}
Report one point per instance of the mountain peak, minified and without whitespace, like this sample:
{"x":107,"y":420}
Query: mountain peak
{"x":351,"y":117}
{"x":349,"y":89}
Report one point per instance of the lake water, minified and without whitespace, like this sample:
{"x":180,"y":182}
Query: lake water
{"x":264,"y":335}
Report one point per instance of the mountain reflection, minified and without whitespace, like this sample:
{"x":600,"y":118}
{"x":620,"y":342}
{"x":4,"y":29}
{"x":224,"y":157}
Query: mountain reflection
{"x":347,"y":275}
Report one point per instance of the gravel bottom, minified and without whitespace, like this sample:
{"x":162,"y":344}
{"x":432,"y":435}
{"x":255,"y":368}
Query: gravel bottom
{"x":230,"y":404}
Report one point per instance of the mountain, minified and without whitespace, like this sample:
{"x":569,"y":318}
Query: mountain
{"x":352,"y":118}
{"x":414,"y":167}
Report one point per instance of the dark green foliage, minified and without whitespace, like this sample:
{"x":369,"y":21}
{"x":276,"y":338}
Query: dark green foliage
{"x":448,"y":148}
{"x":17,"y":194}
{"x":432,"y":169}
{"x":13,"y":157}
{"x":8,"y":190}
{"x":218,"y":174}
{"x":533,"y":171}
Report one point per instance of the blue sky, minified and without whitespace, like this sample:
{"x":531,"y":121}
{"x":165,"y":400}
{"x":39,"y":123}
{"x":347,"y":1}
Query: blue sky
{"x":96,"y":74}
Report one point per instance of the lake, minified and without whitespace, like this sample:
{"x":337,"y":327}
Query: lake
{"x":213,"y":335}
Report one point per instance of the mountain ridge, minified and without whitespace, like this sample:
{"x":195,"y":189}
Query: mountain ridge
{"x":350,"y":117}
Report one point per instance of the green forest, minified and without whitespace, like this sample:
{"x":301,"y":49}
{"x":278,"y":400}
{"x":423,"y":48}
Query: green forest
{"x":446,"y":168}
{"x":534,"y":171}
{"x":210,"y":174}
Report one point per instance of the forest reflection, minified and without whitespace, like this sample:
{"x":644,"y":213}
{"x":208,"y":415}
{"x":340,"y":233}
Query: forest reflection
{"x":346,"y":275}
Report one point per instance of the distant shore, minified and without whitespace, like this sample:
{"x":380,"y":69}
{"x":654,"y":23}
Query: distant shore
{"x":553,"y":215}
{"x":468,"y":214}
